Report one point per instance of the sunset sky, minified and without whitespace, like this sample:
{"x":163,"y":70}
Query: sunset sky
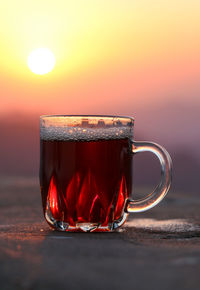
{"x":111,"y":56}
{"x":137,"y":58}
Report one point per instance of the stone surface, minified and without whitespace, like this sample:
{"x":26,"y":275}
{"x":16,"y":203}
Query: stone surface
{"x":158,"y":249}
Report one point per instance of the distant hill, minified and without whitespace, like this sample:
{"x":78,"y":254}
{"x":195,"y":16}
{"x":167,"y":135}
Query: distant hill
{"x":175,"y":127}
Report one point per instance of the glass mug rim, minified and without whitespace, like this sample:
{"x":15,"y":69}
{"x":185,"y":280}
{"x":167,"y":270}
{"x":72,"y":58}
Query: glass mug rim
{"x":88,"y":116}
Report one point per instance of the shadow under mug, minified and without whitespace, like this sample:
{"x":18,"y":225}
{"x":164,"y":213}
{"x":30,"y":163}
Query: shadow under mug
{"x":86,"y":172}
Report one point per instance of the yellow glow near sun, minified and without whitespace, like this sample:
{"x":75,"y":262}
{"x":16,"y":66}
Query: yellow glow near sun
{"x":41,"y":61}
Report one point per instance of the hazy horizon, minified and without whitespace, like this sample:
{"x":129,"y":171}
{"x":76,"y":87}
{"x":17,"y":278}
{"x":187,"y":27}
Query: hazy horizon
{"x":169,"y":127}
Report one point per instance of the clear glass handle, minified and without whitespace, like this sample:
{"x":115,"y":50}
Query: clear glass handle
{"x":161,"y":190}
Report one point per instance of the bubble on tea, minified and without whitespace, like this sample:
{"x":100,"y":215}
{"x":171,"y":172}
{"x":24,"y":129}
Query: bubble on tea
{"x":83,"y":133}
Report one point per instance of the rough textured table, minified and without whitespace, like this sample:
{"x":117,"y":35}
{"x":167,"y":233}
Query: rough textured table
{"x":158,"y":249}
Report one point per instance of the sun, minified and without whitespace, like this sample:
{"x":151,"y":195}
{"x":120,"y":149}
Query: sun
{"x":41,"y":61}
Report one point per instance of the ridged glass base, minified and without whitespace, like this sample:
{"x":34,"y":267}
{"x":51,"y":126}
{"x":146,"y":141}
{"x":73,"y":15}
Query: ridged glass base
{"x":84,"y":227}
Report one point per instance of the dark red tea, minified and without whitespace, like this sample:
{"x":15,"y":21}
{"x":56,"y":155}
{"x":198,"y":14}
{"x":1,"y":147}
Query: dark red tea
{"x":85,"y":181}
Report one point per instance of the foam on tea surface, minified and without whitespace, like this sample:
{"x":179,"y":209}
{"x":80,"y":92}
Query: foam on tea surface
{"x":85,"y":134}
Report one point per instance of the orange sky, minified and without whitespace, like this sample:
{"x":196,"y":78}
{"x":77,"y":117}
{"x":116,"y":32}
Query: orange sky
{"x":111,"y":56}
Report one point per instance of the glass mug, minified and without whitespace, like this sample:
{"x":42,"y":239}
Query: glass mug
{"x":86,"y":172}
